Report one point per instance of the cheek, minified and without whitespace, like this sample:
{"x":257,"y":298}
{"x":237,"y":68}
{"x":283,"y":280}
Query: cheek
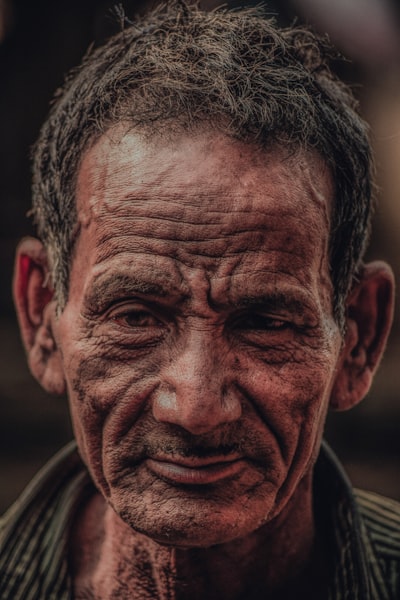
{"x":105,"y":389}
{"x":100,"y":375}
{"x":291,"y":398}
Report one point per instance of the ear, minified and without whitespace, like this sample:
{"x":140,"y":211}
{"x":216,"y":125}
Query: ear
{"x":36,"y":311}
{"x":368,"y":322}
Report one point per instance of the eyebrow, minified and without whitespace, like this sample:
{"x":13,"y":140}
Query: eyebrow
{"x":105,"y":288}
{"x":273,"y":300}
{"x":293,"y":302}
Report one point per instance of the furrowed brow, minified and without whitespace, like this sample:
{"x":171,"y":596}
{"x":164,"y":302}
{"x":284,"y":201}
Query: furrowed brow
{"x":275,"y":301}
{"x":293,"y":303}
{"x":107,"y":288}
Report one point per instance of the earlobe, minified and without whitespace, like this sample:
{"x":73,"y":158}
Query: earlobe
{"x":36,"y":315}
{"x":368,"y":322}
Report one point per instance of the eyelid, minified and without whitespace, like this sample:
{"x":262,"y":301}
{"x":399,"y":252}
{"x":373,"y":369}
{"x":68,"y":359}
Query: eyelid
{"x":272,"y":321}
{"x":125,"y":306}
{"x":264,"y":313}
{"x":302,"y":323}
{"x":131,"y":306}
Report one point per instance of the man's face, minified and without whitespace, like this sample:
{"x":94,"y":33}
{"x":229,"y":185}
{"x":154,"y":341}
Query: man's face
{"x":198,"y":342}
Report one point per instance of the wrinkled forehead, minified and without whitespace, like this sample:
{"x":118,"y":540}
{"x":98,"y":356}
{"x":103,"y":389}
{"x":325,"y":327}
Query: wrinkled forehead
{"x":204,"y":203}
{"x":186,"y":168}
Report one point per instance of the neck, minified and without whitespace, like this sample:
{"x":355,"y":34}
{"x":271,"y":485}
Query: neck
{"x":111,"y":560}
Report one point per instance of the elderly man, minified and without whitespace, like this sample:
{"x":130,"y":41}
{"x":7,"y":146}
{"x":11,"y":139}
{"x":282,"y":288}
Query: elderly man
{"x":202,"y":195}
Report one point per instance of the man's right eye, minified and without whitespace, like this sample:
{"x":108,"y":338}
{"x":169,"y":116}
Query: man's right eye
{"x":134,"y":317}
{"x":137,"y":319}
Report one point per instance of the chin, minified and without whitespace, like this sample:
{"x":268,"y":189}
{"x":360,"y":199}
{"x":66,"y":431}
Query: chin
{"x":194,"y":515}
{"x":190,"y":537}
{"x":194,"y":527}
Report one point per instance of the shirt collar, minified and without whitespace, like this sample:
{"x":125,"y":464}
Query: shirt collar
{"x":338,"y":515}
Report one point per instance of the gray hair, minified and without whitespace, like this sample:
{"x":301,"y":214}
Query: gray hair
{"x":180,"y":67}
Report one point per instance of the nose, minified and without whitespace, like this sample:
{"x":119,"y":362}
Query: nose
{"x":196,"y":390}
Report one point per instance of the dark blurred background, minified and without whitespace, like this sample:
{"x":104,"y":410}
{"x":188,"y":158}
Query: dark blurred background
{"x":39,"y":42}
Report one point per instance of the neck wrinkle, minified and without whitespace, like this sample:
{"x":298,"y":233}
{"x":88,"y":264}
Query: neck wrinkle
{"x":282,"y":550}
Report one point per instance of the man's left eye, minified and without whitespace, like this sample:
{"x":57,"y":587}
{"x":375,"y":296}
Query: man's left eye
{"x":257,"y":322}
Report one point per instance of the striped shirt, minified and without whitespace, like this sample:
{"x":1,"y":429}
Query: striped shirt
{"x":362,"y":532}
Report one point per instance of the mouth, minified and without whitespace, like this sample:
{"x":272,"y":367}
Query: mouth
{"x":195,"y":471}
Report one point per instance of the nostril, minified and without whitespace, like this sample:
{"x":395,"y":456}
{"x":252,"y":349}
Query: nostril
{"x":164,"y":403}
{"x":197,"y":411}
{"x":231,"y":403}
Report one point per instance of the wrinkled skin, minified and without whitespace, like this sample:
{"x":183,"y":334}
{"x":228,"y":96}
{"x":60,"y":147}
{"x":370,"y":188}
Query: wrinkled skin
{"x":199,"y":352}
{"x":199,"y":322}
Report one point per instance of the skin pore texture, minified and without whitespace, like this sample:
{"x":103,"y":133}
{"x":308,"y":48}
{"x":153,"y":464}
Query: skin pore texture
{"x":199,"y":331}
{"x":199,"y":353}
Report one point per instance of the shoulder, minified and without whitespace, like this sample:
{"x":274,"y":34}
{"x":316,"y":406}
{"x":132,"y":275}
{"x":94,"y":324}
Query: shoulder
{"x":380,"y":527}
{"x":35,"y":530}
{"x":381,"y":518}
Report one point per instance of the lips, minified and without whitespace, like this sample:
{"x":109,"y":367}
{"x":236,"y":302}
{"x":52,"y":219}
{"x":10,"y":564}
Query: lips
{"x":195,"y":471}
